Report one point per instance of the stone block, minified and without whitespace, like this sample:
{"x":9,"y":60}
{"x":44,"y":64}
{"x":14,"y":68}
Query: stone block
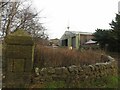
{"x":86,"y":69}
{"x":72,"y":68}
{"x":92,"y":67}
{"x":43,"y":71}
{"x":48,"y":78}
{"x":50,"y":70}
{"x":80,"y":69}
{"x":65,"y":70}
{"x":58,"y":71}
{"x":37,"y":71}
{"x":59,"y":77}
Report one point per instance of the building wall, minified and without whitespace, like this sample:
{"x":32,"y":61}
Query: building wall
{"x":85,"y":38}
{"x":69,"y":42}
{"x":76,"y":41}
{"x":54,"y":41}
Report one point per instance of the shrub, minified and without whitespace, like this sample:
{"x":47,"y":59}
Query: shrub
{"x":58,"y":57}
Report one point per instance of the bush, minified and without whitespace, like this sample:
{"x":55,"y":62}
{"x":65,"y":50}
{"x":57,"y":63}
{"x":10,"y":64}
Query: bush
{"x":58,"y":57}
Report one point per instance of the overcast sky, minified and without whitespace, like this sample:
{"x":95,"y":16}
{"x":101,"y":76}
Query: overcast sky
{"x":80,"y":15}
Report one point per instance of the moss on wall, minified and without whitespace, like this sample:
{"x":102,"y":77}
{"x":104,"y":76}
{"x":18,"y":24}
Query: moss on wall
{"x":18,"y":59}
{"x":19,"y":37}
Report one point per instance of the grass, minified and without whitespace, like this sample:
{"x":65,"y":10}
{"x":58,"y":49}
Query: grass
{"x":55,"y":84}
{"x":58,"y":57}
{"x":104,"y":82}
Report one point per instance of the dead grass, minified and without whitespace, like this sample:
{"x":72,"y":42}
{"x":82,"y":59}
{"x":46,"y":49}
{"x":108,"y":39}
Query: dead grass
{"x":57,"y":57}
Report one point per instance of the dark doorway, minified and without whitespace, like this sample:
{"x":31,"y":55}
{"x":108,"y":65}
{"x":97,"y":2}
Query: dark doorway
{"x":65,"y":42}
{"x":74,"y":42}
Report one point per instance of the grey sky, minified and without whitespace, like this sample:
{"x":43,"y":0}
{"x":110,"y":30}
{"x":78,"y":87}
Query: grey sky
{"x":81,"y":15}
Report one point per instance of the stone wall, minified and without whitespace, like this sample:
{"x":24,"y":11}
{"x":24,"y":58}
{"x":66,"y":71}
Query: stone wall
{"x":17,"y":60}
{"x":78,"y":73}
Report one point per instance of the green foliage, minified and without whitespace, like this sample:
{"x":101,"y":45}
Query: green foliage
{"x":115,"y":25}
{"x":103,"y":82}
{"x":112,"y":82}
{"x":55,"y":84}
{"x":109,"y":39}
{"x":102,"y":37}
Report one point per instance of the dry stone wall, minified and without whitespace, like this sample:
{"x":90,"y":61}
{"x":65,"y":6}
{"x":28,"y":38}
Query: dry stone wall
{"x":78,"y":73}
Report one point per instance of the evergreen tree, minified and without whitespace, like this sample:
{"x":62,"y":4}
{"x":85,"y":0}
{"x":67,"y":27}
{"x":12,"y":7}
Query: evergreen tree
{"x":102,"y":36}
{"x":115,"y":25}
{"x":110,"y":37}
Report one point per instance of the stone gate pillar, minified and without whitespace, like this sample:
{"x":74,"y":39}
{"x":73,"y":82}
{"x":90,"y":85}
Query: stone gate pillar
{"x":18,"y":50}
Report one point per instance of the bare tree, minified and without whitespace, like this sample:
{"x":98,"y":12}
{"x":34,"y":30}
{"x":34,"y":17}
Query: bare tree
{"x":15,"y":16}
{"x":2,"y":4}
